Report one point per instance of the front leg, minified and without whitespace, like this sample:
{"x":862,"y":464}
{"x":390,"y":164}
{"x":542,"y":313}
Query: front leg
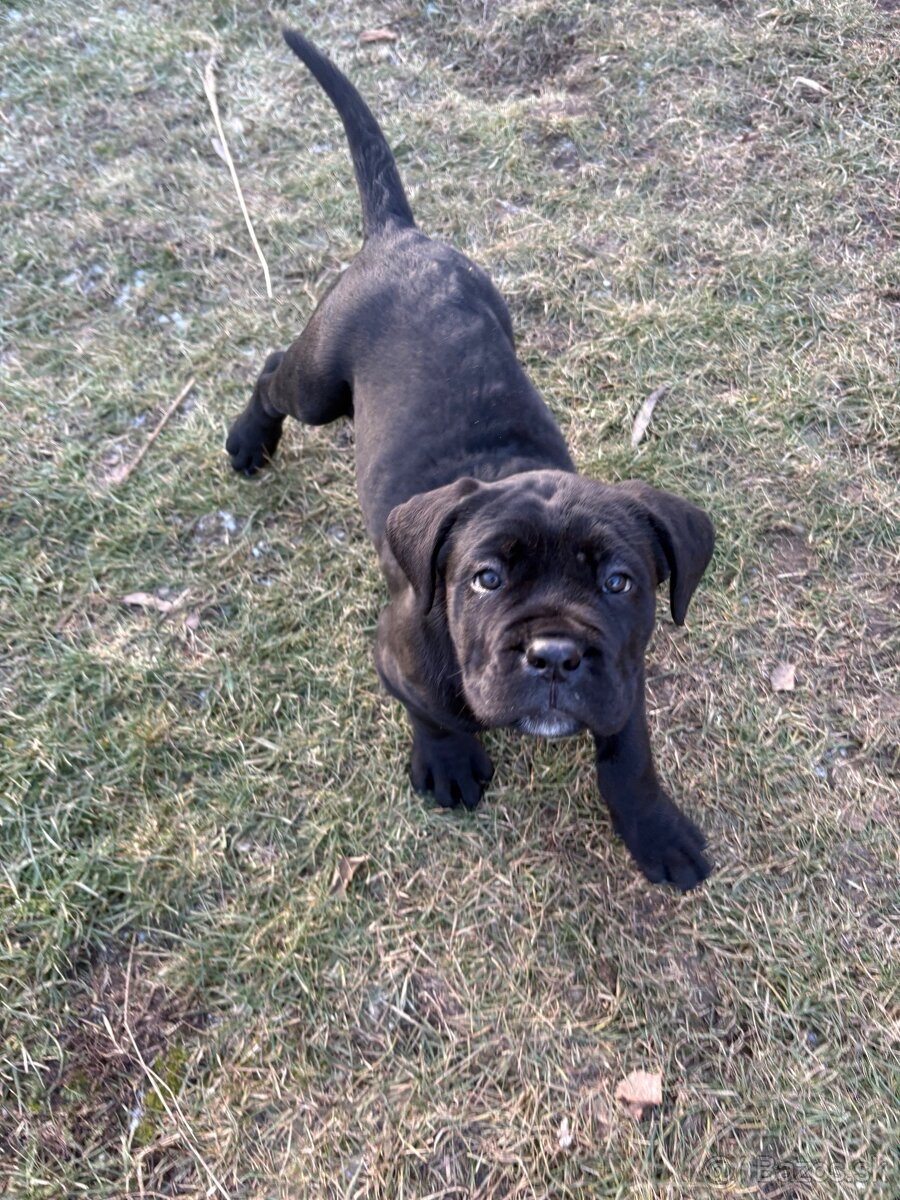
{"x":665,"y":844}
{"x":452,"y":765}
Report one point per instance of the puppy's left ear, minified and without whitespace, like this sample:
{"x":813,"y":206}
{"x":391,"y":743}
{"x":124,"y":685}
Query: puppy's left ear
{"x":684,"y":537}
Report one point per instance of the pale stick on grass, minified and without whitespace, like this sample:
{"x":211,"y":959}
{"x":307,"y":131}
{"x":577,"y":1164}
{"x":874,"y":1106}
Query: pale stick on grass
{"x":121,"y":473}
{"x":209,"y":86}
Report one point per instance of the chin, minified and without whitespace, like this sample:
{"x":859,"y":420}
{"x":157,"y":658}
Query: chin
{"x":550,"y":725}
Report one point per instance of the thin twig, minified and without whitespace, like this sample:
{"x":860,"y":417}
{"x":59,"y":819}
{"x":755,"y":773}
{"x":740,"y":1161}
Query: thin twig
{"x":121,"y":473}
{"x":209,"y":86}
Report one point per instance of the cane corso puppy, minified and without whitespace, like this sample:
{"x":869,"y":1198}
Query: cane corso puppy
{"x":522,"y":594}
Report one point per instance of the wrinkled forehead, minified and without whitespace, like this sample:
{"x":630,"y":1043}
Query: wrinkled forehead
{"x":539,"y":515}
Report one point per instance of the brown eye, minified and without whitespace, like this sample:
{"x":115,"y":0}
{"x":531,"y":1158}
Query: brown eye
{"x":617,"y":582}
{"x":487,"y":580}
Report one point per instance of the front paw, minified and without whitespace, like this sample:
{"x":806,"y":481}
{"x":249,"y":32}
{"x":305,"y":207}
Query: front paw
{"x":252,"y":441}
{"x":666,"y":845}
{"x":454,"y":767}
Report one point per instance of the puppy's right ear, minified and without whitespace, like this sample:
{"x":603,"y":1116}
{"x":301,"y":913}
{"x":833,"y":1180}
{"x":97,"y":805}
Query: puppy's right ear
{"x":417,"y":533}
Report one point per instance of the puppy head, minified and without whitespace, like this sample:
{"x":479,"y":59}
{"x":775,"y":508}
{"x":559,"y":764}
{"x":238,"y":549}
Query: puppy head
{"x":546,"y":582}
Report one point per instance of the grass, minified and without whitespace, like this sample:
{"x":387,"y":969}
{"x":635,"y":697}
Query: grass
{"x":186,"y":1008}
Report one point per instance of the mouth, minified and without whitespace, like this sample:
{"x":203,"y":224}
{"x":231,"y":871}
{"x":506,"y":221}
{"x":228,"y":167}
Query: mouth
{"x":552,"y":721}
{"x":550,"y":724}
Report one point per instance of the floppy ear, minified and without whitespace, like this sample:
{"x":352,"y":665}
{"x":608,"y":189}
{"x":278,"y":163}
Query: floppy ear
{"x":417,"y":532}
{"x":685,"y":539}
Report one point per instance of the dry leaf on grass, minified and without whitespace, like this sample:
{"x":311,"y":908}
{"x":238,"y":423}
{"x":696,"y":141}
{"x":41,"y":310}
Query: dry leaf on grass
{"x":148,"y":600}
{"x":645,"y":412}
{"x":640,"y":1090}
{"x":344,"y":872}
{"x":378,"y":35}
{"x":810,"y":85}
{"x":782,"y":677}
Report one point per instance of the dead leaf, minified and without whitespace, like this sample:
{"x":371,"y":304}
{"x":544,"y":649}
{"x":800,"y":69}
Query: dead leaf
{"x":645,"y":412}
{"x":810,"y":85}
{"x":148,"y":600}
{"x":782,"y":677}
{"x":378,"y":35}
{"x":640,"y":1090}
{"x":344,"y":872}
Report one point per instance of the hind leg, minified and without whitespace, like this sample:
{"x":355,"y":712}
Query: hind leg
{"x":254,"y":436}
{"x":306,"y":382}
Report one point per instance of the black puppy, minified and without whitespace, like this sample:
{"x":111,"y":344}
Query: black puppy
{"x":521,"y":594}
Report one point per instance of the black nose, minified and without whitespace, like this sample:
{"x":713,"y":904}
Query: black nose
{"x":553,"y":657}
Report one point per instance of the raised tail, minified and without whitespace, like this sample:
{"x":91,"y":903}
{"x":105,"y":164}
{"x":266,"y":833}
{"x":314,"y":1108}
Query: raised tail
{"x":380,"y":189}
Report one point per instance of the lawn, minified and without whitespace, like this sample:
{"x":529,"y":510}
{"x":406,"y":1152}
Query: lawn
{"x":194,"y":1001}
